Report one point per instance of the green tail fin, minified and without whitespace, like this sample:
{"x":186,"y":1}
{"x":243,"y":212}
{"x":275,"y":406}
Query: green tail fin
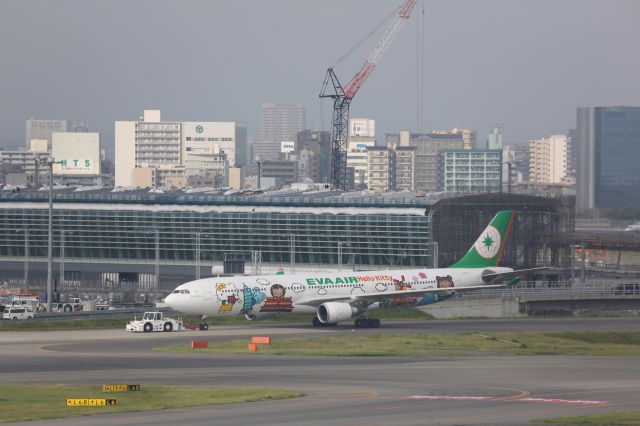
{"x":487,"y":250}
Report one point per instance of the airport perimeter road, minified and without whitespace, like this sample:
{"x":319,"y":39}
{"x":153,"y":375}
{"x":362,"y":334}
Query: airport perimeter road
{"x":340,"y":391}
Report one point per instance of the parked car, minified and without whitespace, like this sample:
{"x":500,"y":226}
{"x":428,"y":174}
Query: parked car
{"x":17,"y":313}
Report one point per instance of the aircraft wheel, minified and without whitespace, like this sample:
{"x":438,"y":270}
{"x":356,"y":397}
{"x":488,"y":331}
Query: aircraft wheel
{"x":148,"y":327}
{"x":374,"y":323}
{"x":204,"y":326}
{"x":358,"y":323}
{"x":316,"y":322}
{"x":168,"y":326}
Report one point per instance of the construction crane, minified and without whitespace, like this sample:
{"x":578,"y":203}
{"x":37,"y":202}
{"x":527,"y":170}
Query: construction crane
{"x":331,"y":88}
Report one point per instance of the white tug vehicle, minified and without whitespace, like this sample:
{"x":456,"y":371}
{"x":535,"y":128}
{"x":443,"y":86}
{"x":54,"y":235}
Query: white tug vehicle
{"x":154,"y":321}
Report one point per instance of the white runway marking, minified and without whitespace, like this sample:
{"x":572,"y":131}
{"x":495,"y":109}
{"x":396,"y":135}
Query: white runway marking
{"x":489,"y":398}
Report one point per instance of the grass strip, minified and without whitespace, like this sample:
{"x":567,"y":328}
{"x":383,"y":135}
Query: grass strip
{"x":626,"y":418}
{"x":513,"y":343}
{"x":35,"y":402}
{"x":111,"y":323}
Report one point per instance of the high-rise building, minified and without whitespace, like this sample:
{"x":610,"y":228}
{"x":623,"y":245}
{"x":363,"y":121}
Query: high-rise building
{"x":362,"y":136}
{"x":150,"y":150}
{"x":279,"y":122}
{"x":471,"y":170}
{"x":427,"y":156}
{"x":405,"y":164}
{"x":314,"y":154}
{"x":548,"y":159}
{"x":43,"y":129}
{"x":379,"y":168}
{"x":608,"y":148}
{"x":494,"y":139}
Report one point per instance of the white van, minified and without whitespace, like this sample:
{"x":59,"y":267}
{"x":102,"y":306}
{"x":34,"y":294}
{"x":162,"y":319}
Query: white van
{"x":17,"y":312}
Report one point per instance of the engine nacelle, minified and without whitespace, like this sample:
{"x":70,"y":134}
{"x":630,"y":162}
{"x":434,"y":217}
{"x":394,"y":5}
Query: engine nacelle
{"x":331,"y":312}
{"x":258,"y":317}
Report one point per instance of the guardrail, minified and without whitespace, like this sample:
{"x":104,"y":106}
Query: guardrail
{"x":560,"y":290}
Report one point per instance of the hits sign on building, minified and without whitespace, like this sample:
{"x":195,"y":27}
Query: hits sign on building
{"x":77,"y":153}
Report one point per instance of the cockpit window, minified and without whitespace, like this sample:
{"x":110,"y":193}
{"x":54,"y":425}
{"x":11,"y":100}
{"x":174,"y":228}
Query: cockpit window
{"x":184,"y":291}
{"x":176,"y":291}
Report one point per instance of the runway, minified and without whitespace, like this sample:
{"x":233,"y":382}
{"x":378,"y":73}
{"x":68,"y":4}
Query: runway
{"x":339,"y":391}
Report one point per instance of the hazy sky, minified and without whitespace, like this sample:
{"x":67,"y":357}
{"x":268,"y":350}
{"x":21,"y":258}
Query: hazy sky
{"x":525,"y":65}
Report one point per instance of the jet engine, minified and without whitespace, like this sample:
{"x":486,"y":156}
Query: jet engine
{"x":331,"y":312}
{"x":258,"y":317}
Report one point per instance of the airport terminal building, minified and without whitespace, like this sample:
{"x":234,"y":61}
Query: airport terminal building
{"x":142,"y":241}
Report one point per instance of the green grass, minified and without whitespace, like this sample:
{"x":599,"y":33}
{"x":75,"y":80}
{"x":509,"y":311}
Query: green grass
{"x":584,"y":343}
{"x":110,"y":323}
{"x":627,"y":418}
{"x":33,"y":402}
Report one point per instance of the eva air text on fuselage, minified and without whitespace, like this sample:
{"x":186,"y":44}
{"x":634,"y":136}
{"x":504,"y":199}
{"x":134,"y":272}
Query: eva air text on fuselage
{"x":349,"y":280}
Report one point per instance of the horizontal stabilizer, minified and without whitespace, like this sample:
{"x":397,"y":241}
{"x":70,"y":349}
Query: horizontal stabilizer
{"x":506,"y":276}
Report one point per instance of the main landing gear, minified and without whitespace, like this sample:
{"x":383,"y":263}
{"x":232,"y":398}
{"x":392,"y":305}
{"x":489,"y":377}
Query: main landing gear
{"x":367,"y":323}
{"x":203,"y":325}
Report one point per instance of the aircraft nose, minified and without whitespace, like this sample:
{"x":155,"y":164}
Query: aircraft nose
{"x":170,"y":300}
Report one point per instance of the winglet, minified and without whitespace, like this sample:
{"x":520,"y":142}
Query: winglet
{"x":488,"y":248}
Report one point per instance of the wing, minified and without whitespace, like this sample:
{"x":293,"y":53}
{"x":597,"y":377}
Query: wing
{"x":509,"y":276}
{"x":377,"y":297}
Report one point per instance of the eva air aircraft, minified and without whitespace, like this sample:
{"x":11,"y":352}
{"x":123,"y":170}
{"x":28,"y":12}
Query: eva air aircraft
{"x":333,"y":298}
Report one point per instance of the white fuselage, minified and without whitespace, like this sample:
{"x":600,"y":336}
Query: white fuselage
{"x":269,"y":294}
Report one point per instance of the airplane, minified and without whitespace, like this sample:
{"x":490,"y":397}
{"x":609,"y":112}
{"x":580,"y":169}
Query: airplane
{"x":633,"y":228}
{"x":337,"y":297}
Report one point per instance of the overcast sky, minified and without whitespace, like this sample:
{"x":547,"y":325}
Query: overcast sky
{"x":525,"y":65}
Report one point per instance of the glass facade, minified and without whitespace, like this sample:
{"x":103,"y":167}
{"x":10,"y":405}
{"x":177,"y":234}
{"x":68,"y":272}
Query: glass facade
{"x":472,"y":170}
{"x":119,"y":232}
{"x":617,"y":156}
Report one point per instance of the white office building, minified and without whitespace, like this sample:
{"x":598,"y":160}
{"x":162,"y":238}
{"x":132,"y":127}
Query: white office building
{"x":175,"y":149}
{"x":362,"y":136}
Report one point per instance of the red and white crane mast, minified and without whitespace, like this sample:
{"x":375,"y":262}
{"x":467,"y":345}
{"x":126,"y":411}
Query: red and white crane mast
{"x":342,"y":96}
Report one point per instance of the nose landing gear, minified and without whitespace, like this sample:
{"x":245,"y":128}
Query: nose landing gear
{"x":203,"y":325}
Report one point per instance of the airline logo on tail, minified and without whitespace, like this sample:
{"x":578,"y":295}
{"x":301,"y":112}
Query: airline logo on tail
{"x":488,"y":244}
{"x":487,"y":250}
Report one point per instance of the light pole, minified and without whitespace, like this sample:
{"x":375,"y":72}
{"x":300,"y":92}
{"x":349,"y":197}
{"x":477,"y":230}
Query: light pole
{"x":26,"y":257}
{"x":197,"y":255}
{"x":157,"y":266}
{"x":434,"y":254}
{"x":292,"y":251}
{"x":50,"y":162}
{"x":199,"y":236}
{"x":62,"y":247}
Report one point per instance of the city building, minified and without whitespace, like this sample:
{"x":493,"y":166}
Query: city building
{"x":44,"y":129}
{"x":405,"y":165}
{"x":392,"y":168}
{"x":608,"y":155}
{"x":277,"y":173}
{"x":471,"y":170}
{"x":314,"y":150}
{"x":427,"y":155}
{"x":279,"y":122}
{"x":549,"y":159}
{"x":380,"y":161}
{"x":80,"y":159}
{"x":361,"y":137}
{"x":173,"y":149}
{"x":494,"y":139}
{"x":515,"y":163}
